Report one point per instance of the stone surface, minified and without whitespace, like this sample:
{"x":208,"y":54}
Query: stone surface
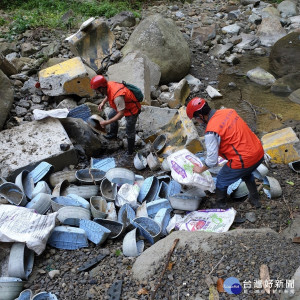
{"x":69,"y":77}
{"x":284,"y":57}
{"x":6,"y":98}
{"x":27,"y":145}
{"x":153,"y":33}
{"x":151,"y":119}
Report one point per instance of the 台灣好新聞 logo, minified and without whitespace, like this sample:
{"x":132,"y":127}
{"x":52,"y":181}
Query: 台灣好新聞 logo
{"x":232,"y":286}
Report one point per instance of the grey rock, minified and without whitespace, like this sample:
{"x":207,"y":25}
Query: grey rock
{"x":153,"y":33}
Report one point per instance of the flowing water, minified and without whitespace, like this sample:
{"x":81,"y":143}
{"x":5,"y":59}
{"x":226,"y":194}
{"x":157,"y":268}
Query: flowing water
{"x":264,"y":111}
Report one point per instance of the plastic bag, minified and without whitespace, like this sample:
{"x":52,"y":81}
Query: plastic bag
{"x":128,"y":193}
{"x":182,"y":163}
{"x":208,"y":220}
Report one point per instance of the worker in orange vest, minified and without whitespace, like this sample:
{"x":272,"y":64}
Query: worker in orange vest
{"x":123,"y":103}
{"x":227,"y":135}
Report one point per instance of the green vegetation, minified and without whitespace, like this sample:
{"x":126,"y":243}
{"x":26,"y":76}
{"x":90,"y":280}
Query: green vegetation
{"x":48,"y":13}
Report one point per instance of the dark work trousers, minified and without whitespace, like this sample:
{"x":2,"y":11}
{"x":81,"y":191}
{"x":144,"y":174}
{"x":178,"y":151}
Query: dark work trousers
{"x":227,"y":176}
{"x":130,"y":124}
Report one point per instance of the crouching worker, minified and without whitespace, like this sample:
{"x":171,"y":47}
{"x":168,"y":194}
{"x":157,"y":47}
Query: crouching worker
{"x":123,"y":103}
{"x":228,"y":136}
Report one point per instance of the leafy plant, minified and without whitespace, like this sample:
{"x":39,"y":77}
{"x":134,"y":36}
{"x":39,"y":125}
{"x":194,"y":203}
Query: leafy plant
{"x":118,"y":252}
{"x":48,"y":13}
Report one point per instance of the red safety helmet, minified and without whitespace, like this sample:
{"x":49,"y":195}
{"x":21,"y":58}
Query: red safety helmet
{"x":194,"y":105}
{"x":98,"y":81}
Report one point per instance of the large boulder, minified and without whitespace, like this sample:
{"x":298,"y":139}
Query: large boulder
{"x":6,"y":98}
{"x":160,"y":39}
{"x":284,"y":57}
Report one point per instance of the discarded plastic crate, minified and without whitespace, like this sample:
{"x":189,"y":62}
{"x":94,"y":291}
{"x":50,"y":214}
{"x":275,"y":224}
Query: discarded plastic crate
{"x":40,"y":171}
{"x":131,"y":247}
{"x":13,"y":194}
{"x":148,"y":228}
{"x":20,"y":261}
{"x":95,"y":232}
{"x":68,"y":238}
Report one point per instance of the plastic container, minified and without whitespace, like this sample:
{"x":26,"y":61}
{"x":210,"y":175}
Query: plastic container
{"x":148,"y":228}
{"x":95,"y":232}
{"x":120,"y":176}
{"x":131,"y":247}
{"x":89,"y":175}
{"x":108,"y":190}
{"x":10,"y":287}
{"x":185,"y":202}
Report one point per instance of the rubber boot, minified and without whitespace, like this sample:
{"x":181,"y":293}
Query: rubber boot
{"x":221,"y":199}
{"x":130,"y":147}
{"x":253,"y":193}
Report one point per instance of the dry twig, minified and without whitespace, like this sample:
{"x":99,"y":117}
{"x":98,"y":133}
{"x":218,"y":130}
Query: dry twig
{"x":165,"y":268}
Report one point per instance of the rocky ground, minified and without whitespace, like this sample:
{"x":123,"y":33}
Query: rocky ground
{"x":242,"y":256}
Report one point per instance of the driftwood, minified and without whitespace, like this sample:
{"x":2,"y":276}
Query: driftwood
{"x":165,"y":268}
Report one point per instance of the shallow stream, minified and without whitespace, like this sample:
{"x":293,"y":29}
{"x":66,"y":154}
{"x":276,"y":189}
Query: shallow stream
{"x":264,"y":111}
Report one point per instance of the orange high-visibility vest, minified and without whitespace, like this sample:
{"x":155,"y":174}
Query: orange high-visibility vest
{"x":116,"y":89}
{"x":239,"y":145}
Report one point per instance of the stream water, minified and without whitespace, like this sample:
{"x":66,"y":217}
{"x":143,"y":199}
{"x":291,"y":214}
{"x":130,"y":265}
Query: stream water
{"x":264,"y":111}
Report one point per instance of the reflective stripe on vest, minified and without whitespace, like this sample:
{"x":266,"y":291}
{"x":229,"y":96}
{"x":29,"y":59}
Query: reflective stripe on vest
{"x":116,"y":89}
{"x":239,"y":145}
